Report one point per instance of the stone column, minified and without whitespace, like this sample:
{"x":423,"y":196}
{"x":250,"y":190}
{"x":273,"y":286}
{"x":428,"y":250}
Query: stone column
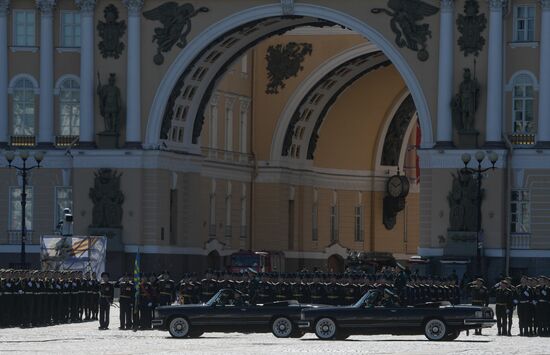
{"x":544,"y":80}
{"x":493,"y":133}
{"x":445,"y":87}
{"x":87,"y":92}
{"x":45,"y":115}
{"x":133,"y":78}
{"x":4,"y":127}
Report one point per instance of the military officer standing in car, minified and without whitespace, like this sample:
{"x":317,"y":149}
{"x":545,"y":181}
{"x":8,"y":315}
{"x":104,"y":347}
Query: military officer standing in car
{"x":480,"y":296}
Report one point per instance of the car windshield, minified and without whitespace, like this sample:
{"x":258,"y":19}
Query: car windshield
{"x":227,"y":297}
{"x":369,"y":299}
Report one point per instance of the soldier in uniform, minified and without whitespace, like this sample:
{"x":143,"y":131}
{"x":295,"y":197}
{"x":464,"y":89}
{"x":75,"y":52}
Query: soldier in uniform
{"x":145,"y":303}
{"x":126,"y":302}
{"x":106,"y":295}
{"x":166,"y":289}
{"x":524,"y":297}
{"x":504,"y":297}
{"x":480,"y":296}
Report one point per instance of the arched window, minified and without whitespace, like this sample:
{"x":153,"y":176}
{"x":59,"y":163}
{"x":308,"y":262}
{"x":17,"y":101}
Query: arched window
{"x":23,"y":107}
{"x":69,"y":108}
{"x":523,"y":105}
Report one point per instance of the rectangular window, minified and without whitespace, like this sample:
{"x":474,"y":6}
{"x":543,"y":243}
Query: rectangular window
{"x":243,"y":131}
{"x":520,"y":212}
{"x":359,"y":221}
{"x":333,"y":223}
{"x":70,"y":29}
{"x":229,"y":129}
{"x":524,"y":23}
{"x":15,"y":208}
{"x":228,"y":224}
{"x":24,"y":30}
{"x":244,"y":64}
{"x":314,"y":222}
{"x":63,"y":199}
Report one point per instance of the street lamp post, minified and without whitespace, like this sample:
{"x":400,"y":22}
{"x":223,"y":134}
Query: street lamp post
{"x":478,"y":171}
{"x":23,"y":171}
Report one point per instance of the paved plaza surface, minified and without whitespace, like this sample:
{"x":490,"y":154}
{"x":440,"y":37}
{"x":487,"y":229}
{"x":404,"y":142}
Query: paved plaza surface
{"x":85,"y":338}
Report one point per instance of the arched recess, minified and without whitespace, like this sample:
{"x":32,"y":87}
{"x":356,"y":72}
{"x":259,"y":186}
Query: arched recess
{"x":171,"y":89}
{"x":305,"y":123}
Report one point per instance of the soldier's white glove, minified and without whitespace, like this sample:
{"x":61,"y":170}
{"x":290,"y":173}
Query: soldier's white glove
{"x":149,"y":304}
{"x":20,"y":291}
{"x":516,"y":302}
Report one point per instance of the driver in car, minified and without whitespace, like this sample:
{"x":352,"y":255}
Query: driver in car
{"x":238,"y":301}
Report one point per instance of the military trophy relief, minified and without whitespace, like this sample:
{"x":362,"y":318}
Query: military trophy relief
{"x":471,"y":26}
{"x":464,"y":107}
{"x":397,"y":189}
{"x":285,"y":62}
{"x":111,"y":31}
{"x":406,"y":16}
{"x":176,"y":26}
{"x":463,"y":215}
{"x":110,"y":108}
{"x":107,"y":198}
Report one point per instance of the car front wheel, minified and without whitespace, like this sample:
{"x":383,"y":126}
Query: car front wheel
{"x":435,"y":329}
{"x":282,"y":327}
{"x":325,"y":329}
{"x":179,"y":327}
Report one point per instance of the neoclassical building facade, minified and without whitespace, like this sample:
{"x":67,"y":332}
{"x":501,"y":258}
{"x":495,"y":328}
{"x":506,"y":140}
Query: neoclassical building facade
{"x":277,"y":125}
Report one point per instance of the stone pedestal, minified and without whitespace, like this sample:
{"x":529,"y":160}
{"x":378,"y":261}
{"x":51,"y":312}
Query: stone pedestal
{"x":108,"y":140}
{"x":468,"y":139}
{"x":461,"y":244}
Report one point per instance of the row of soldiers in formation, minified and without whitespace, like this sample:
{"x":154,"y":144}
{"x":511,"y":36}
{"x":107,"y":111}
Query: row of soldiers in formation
{"x":531,"y":298}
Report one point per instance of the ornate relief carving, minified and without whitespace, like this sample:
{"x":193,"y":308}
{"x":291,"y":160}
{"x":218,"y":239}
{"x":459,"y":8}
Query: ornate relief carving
{"x":176,"y":22}
{"x":111,"y":31}
{"x":4,"y":6}
{"x":471,"y":25}
{"x":288,"y":7}
{"x":86,"y":6}
{"x":107,"y":198}
{"x":396,"y":132}
{"x":46,"y":6}
{"x":463,"y":203}
{"x":284,"y":62}
{"x":405,"y":15}
{"x":133,"y":6}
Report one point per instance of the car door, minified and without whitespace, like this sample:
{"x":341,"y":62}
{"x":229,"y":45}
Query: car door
{"x":369,"y":319}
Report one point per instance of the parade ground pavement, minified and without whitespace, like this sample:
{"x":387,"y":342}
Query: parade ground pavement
{"x":85,"y":338}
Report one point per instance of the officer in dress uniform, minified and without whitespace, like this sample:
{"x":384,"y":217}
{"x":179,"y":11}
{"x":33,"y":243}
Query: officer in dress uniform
{"x":480,"y":296}
{"x":106,"y":295}
{"x":125,"y":299}
{"x":524,"y":297}
{"x":166,"y":289}
{"x":504,"y":297}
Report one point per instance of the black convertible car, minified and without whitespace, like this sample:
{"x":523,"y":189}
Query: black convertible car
{"x":229,"y":311}
{"x":376,"y":313}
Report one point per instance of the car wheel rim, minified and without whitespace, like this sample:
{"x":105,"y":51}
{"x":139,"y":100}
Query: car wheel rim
{"x":282,"y":327}
{"x":179,"y":327}
{"x":435,"y":329}
{"x":325,"y":328}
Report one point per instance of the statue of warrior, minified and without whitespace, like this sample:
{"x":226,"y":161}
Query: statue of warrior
{"x":466,"y":102}
{"x":110,"y":103}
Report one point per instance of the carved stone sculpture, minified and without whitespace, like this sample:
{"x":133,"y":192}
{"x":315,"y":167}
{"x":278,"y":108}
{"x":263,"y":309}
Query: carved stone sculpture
{"x":176,"y":22}
{"x":405,"y":15}
{"x":471,"y":26}
{"x":396,"y":132}
{"x":111,"y":31}
{"x":107,"y":199}
{"x":466,"y":103}
{"x":463,"y":204}
{"x":284,"y":62}
{"x":110,"y":104}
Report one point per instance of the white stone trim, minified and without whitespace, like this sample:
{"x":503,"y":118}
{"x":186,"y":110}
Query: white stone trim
{"x":61,"y":79}
{"x":534,"y":44}
{"x":510,"y":85}
{"x":197,"y":44}
{"x":323,"y":31}
{"x":15,"y":78}
{"x":15,"y":49}
{"x":68,"y":49}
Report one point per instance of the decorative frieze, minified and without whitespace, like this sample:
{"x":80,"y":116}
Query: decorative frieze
{"x":46,"y":7}
{"x":288,"y":7}
{"x":134,"y":7}
{"x":86,"y":6}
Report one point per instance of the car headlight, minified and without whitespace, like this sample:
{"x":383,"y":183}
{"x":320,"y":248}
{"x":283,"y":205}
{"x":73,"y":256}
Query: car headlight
{"x":302,"y":316}
{"x":479,"y":314}
{"x":156,"y":314}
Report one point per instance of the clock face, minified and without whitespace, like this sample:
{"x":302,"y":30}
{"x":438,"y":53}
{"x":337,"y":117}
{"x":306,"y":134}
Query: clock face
{"x":395,"y":186}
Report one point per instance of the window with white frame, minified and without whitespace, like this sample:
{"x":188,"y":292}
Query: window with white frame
{"x":229,"y":125}
{"x":333,"y":223}
{"x":524,"y":23}
{"x":24,"y":28}
{"x":212,"y":214}
{"x":523,"y":105}
{"x":63,"y":199}
{"x":228,"y":212}
{"x":244,"y":201}
{"x":213,"y":134}
{"x":244,"y":64}
{"x":243,"y":130}
{"x":15,"y":208}
{"x":70,"y":29}
{"x":23,"y":107}
{"x":520,"y":212}
{"x":359,"y":224}
{"x":69,"y":108}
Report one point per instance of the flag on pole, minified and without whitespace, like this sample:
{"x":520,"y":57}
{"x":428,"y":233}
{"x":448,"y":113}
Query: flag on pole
{"x":137,"y":282}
